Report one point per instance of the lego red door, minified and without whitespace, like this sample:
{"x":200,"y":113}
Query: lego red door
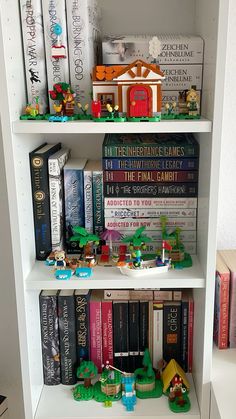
{"x":139,"y":101}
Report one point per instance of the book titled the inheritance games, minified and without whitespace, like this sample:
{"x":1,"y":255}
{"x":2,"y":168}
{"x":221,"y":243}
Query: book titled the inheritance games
{"x":50,"y":336}
{"x":67,"y":334}
{"x":40,"y":195}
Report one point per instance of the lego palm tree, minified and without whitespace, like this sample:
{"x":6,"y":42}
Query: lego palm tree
{"x":137,"y":240}
{"x":85,"y":239}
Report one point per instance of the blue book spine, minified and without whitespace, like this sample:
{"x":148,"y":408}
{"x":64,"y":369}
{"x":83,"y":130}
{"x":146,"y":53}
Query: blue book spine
{"x":150,"y":164}
{"x":98,"y":202}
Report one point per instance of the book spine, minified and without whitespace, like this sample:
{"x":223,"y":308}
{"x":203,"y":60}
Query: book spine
{"x":153,"y":247}
{"x":157,"y":203}
{"x":185,"y":235}
{"x":82,"y":327}
{"x":121,"y":335}
{"x":107,"y":332}
{"x":150,"y":164}
{"x":133,"y":335}
{"x":157,"y":333}
{"x":190,"y":334}
{"x":182,"y":76}
{"x":56,"y":211}
{"x":149,"y":190}
{"x":184,"y":336}
{"x":54,"y":12}
{"x":67,"y":333}
{"x":150,"y":224}
{"x":74,"y":204}
{"x":96,"y":333}
{"x":144,"y":328}
{"x":34,"y":53}
{"x":50,"y":339}
{"x":171,"y":331}
{"x":88,"y":201}
{"x":98,"y":202}
{"x":224,"y":313}
{"x":147,"y":150}
{"x":150,"y":176}
{"x":83,"y":35}
{"x":148,"y":212}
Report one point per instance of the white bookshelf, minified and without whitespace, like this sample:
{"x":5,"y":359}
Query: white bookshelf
{"x":208,"y":19}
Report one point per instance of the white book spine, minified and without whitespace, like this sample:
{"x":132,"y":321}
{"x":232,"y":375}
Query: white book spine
{"x":150,"y":224}
{"x":83,"y":37}
{"x":88,"y":200}
{"x":153,"y":247}
{"x":157,"y":335}
{"x":165,"y":203}
{"x":34,"y":53}
{"x":54,"y":12}
{"x":56,"y":212}
{"x":148,"y":212}
{"x":156,"y":235}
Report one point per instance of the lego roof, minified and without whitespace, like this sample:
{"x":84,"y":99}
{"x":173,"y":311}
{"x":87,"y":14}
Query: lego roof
{"x":170,"y":372}
{"x":109,"y":73}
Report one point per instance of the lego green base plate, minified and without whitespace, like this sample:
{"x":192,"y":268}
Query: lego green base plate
{"x":107,"y":119}
{"x":186,"y":263}
{"x":145,"y":119}
{"x":101,"y":397}
{"x":155,"y":393}
{"x":27,"y":117}
{"x":81,"y":393}
{"x":179,"y":116}
{"x":177,"y":408}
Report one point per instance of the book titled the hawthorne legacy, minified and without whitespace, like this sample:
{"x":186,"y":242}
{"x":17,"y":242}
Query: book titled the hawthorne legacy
{"x":67,"y":334}
{"x":150,"y":164}
{"x":54,"y":12}
{"x":50,"y":336}
{"x":150,"y":145}
{"x":56,"y":163}
{"x":40,"y":195}
{"x":34,"y":53}
{"x":82,"y":324}
{"x":150,"y":190}
{"x":74,"y":199}
{"x":83,"y":26}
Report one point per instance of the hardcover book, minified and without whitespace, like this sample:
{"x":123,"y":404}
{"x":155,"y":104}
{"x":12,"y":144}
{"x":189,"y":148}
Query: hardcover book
{"x":185,"y":235}
{"x":150,"y":145}
{"x":157,"y":334}
{"x":187,"y":296}
{"x":107,"y":332}
{"x":82,"y":324}
{"x":153,"y":247}
{"x":158,"y":203}
{"x":171,"y":330}
{"x":98,"y":199}
{"x":134,"y":357}
{"x":34,"y":54}
{"x":95,"y":313}
{"x":144,"y":328}
{"x":50,"y":337}
{"x":150,"y":176}
{"x":83,"y":25}
{"x":88,"y":196}
{"x":121,"y":334}
{"x":54,"y":12}
{"x":74,"y":199}
{"x":116,"y":294}
{"x":56,"y":163}
{"x":184,"y":331}
{"x":67,"y":334}
{"x":150,"y":190}
{"x":221,"y":309}
{"x":150,"y":224}
{"x":40,"y":195}
{"x":229,"y":257}
{"x":148,"y":212}
{"x":150,"y":164}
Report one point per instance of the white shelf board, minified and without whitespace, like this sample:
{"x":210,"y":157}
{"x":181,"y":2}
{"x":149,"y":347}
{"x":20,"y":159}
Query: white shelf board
{"x":223,"y":381}
{"x":56,"y":402}
{"x":42,"y":277}
{"x":90,"y":127}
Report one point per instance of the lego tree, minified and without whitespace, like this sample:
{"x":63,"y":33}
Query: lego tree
{"x":84,"y":238}
{"x":138,"y":239}
{"x":87,"y":370}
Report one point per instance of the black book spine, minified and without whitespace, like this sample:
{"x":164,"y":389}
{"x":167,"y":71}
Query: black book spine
{"x":41,"y":200}
{"x":150,"y":190}
{"x":143,"y":328}
{"x":50,"y":339}
{"x":172,"y":331}
{"x":184,"y":336}
{"x":121,"y":334}
{"x":66,"y":311}
{"x":82,"y":326}
{"x":133,"y":335}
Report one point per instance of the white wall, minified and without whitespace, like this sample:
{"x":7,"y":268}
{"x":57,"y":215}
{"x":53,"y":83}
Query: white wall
{"x":226,"y":231}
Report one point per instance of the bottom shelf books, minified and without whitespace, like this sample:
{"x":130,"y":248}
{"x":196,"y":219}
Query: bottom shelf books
{"x":115,"y":327}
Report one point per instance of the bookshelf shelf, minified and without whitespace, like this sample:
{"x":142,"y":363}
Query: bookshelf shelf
{"x":90,"y":127}
{"x":56,"y":402}
{"x":41,"y":277}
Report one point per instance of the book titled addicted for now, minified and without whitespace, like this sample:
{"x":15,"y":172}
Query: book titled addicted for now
{"x":150,"y":145}
{"x":41,"y":199}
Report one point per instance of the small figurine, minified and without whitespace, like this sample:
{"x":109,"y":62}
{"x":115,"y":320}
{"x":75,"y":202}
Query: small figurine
{"x":192,"y":100}
{"x":59,"y":256}
{"x":58,"y":50}
{"x":170,"y":108}
{"x":69,"y":102}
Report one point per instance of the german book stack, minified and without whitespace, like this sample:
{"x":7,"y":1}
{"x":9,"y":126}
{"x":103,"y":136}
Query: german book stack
{"x":149,"y":175}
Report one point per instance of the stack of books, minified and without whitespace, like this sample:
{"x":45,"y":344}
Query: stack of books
{"x":149,"y":175}
{"x":115,"y":326}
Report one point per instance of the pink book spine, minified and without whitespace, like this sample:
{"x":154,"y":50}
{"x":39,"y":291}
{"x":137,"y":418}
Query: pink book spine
{"x":96,"y":334}
{"x":107,"y":332}
{"x":190,"y":335}
{"x":224,"y":312}
{"x":232,"y":316}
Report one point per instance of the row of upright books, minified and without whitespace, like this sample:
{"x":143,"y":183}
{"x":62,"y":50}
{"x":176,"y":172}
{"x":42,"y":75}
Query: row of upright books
{"x":225,"y":300}
{"x":140,"y":178}
{"x":115,"y":326}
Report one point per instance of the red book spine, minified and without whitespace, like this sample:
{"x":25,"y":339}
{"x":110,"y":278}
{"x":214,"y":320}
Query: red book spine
{"x":224,"y":313}
{"x":150,"y":176}
{"x":96,"y":334}
{"x":190,"y":334}
{"x":107,"y":332}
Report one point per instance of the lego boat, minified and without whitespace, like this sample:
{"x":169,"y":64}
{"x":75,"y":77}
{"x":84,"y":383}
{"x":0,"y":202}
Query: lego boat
{"x":148,"y":267}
